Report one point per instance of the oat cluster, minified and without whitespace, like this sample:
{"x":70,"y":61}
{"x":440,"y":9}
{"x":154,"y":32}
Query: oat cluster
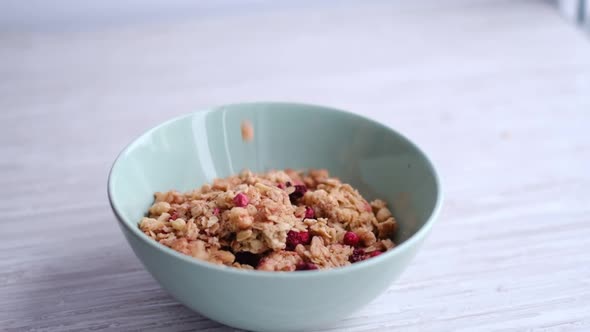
{"x":276,"y":221}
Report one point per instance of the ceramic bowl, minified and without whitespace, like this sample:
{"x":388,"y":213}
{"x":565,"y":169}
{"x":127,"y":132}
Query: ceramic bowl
{"x":193,"y":149}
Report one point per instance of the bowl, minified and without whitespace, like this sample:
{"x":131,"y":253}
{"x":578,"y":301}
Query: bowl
{"x":190,"y":150}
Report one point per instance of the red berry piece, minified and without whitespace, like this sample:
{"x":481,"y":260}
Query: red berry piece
{"x":306,"y":267}
{"x":216,"y":211}
{"x":300,"y":190}
{"x":293,"y":240}
{"x":351,"y":239}
{"x":311,"y":266}
{"x":375,"y":253}
{"x":304,"y":238}
{"x":173,"y":215}
{"x":281,"y":185}
{"x":309,"y":213}
{"x":241,"y":200}
{"x":357,"y":255}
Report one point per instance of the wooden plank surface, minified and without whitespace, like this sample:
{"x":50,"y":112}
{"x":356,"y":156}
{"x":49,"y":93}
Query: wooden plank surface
{"x":497,"y":92}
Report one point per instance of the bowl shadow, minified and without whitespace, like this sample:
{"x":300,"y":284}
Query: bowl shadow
{"x":105,"y":289}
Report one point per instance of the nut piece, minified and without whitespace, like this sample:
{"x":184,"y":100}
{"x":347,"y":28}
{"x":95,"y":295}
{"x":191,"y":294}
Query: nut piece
{"x":383,"y":214}
{"x":178,"y":224}
{"x":387,"y":228}
{"x":159,"y":208}
{"x":247,"y":131}
{"x":367,"y":237}
{"x":240,"y":218}
{"x":148,"y":225}
{"x":243,"y":235}
{"x":221,"y":257}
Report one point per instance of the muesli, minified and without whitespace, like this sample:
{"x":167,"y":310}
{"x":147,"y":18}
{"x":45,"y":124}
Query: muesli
{"x":275,"y":221}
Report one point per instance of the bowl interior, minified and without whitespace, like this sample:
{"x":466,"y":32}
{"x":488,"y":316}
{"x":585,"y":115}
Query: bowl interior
{"x":188,"y":151}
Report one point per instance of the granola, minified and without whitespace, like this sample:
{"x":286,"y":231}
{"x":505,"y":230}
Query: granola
{"x":247,"y":131}
{"x":276,"y":221}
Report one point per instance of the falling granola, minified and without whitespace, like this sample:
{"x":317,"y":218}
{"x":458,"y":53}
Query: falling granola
{"x":276,"y":221}
{"x":247,"y":131}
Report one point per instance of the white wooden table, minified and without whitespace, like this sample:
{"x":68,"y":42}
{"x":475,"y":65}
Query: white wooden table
{"x":497,"y":92}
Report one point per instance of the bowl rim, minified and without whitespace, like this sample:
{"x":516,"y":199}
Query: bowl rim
{"x":411,"y":242}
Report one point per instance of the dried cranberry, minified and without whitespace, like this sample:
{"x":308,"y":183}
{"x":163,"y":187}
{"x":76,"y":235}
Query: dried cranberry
{"x":375,"y":253}
{"x":351,"y":239}
{"x":309,"y":213}
{"x":216,"y":211}
{"x":173,"y":215}
{"x":357,"y":255}
{"x":293,"y":240}
{"x":300,"y":190}
{"x":304,"y":237}
{"x":241,"y":200}
{"x":305,"y":267}
{"x":246,"y":257}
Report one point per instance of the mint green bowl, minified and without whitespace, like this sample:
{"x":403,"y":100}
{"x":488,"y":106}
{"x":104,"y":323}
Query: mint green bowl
{"x":193,"y":149}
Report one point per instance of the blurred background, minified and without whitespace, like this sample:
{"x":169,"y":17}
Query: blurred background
{"x":71,"y":14}
{"x":497,"y":92}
